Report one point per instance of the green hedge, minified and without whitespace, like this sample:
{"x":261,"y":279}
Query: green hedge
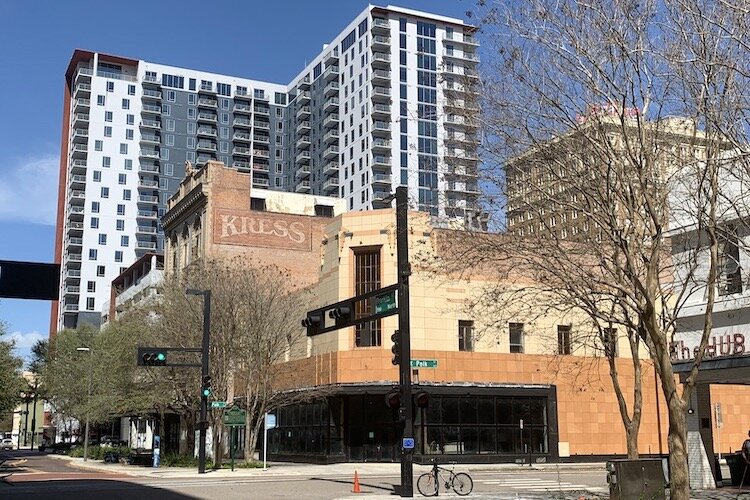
{"x":97,"y":452}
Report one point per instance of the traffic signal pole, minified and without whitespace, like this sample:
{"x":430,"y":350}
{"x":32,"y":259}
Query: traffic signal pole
{"x":204,"y":374}
{"x":404,"y":271}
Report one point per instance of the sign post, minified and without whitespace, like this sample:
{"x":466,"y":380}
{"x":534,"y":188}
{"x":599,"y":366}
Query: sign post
{"x":269,"y":422}
{"x":233,"y":417}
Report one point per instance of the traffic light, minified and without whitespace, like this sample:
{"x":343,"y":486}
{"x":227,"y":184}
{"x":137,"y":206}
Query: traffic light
{"x":396,"y":348}
{"x":393,"y":399}
{"x":342,"y":314}
{"x":312,"y":322}
{"x":421,"y":399}
{"x":206,"y":390}
{"x":152,"y":357}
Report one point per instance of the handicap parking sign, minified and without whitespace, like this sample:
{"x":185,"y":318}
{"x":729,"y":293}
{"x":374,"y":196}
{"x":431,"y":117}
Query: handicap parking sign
{"x":408,"y":443}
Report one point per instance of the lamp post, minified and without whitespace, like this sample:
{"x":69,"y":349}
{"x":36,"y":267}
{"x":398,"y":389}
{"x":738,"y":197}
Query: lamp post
{"x":203,"y":424}
{"x":88,"y":408}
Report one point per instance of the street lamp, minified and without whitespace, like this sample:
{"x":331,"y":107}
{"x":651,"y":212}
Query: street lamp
{"x":88,"y":407}
{"x":206,"y":294}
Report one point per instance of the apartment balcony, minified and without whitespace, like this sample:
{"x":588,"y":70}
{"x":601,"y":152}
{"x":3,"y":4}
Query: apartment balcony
{"x":332,"y":57}
{"x":381,"y":129}
{"x":242,"y":123}
{"x":381,"y":163}
{"x":262,"y":110}
{"x":78,"y":167}
{"x":464,"y":157}
{"x":148,"y":184}
{"x":381,"y":94}
{"x":82,"y":89}
{"x":241,"y":137}
{"x":381,"y":144}
{"x":151,"y":109}
{"x":77,"y":181}
{"x":261,"y":153}
{"x":381,"y":26}
{"x":303,"y":142}
{"x":84,"y":74}
{"x":331,"y":89}
{"x":462,"y":39}
{"x":261,"y":139}
{"x":304,"y":83}
{"x":460,"y":171}
{"x":70,"y":308}
{"x":331,"y":73}
{"x":79,"y":150}
{"x":381,"y":180}
{"x":461,"y":139}
{"x":381,"y":76}
{"x":331,"y":152}
{"x":331,"y":137}
{"x":331,"y":168}
{"x":303,"y":127}
{"x":244,"y":109}
{"x":147,"y":214}
{"x":260,"y":95}
{"x":381,"y":41}
{"x":73,"y":257}
{"x":145,"y":230}
{"x":302,"y":187}
{"x":75,"y":228}
{"x":461,"y":121}
{"x":206,"y":146}
{"x":331,"y":120}
{"x":302,"y":172}
{"x":151,"y":124}
{"x":461,"y":105}
{"x":381,"y":111}
{"x":73,"y":241}
{"x":262,"y":124}
{"x":207,"y":88}
{"x":331,"y":104}
{"x":80,"y":135}
{"x":302,"y":157}
{"x":147,"y":199}
{"x":261,"y":168}
{"x":241,"y":165}
{"x":261,"y":182}
{"x":72,"y":275}
{"x":240,"y":151}
{"x":471,"y":57}
{"x":303,"y":97}
{"x":207,"y":117}
{"x":149,"y":154}
{"x":148,"y":168}
{"x":304,"y":111}
{"x":145,"y":245}
{"x":76,"y":212}
{"x":207,"y":102}
{"x":380,"y":59}
{"x":331,"y":185}
{"x":82,"y":104}
{"x":206,"y":132}
{"x":71,"y":290}
{"x":150,"y":139}
{"x":380,"y":196}
{"x":80,"y":119}
{"x":150,"y":94}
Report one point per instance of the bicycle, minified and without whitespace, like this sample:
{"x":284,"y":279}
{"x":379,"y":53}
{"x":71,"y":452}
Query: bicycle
{"x":429,"y":483}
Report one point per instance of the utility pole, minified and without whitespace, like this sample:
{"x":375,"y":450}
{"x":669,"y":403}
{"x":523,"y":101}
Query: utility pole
{"x":404,"y":271}
{"x":33,"y":417}
{"x":203,"y":424}
{"x":88,"y":405}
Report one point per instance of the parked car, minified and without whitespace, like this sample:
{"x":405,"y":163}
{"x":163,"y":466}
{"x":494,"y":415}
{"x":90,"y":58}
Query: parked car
{"x":6,"y":444}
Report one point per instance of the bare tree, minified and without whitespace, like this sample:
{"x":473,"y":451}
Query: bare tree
{"x":579,"y":102}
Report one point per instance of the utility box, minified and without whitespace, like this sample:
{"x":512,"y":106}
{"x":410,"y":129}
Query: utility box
{"x":642,"y":478}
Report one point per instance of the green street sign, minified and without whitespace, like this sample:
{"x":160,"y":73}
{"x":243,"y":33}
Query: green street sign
{"x":385,"y":302}
{"x":234,"y":416}
{"x":424,"y":363}
{"x":218,"y":404}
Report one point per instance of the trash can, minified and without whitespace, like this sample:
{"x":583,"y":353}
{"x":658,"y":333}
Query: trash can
{"x":736,"y":464}
{"x":641,"y":478}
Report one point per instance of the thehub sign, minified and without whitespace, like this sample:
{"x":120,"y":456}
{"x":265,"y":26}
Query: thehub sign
{"x":731,"y":344}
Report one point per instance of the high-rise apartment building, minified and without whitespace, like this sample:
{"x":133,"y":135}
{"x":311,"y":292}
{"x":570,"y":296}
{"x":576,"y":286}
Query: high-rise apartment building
{"x":389,"y":101}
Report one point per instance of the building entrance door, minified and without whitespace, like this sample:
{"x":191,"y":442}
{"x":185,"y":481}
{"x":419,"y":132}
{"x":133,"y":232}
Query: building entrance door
{"x":372,"y":435}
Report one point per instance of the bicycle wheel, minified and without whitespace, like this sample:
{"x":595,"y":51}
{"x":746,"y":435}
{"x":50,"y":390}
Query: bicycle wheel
{"x":462,"y":484}
{"x":427,"y":485}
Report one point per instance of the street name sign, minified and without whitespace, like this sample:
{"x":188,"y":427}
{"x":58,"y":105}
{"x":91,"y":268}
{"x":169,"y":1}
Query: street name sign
{"x":424,"y":363}
{"x":218,"y":404}
{"x":385,"y":302}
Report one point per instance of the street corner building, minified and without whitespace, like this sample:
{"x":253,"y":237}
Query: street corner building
{"x":489,"y":391}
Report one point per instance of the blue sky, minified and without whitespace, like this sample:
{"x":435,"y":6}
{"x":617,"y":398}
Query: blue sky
{"x":262,"y":40}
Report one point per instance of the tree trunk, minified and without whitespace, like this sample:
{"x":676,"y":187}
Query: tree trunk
{"x":187,"y":434}
{"x":631,"y":438}
{"x":678,"y":453}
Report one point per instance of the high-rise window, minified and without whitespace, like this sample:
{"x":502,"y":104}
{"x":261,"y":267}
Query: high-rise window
{"x":126,"y":104}
{"x":100,"y":100}
{"x":465,"y":335}
{"x":93,"y":254}
{"x":124,"y":241}
{"x":94,"y":222}
{"x":515,"y":334}
{"x":106,"y":161}
{"x":118,"y":255}
{"x":90,"y":303}
{"x":102,"y":238}
{"x":366,"y":279}
{"x":100,"y":271}
{"x":563,"y":339}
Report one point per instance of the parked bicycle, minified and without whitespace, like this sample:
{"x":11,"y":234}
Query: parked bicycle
{"x":429,"y":483}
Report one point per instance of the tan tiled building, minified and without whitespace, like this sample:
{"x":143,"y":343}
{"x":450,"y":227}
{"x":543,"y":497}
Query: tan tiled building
{"x":487,"y":377}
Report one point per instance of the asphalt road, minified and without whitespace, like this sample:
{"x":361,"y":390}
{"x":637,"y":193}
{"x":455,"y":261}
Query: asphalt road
{"x":38,"y":476}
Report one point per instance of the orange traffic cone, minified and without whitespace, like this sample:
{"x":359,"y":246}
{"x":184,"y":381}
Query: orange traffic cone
{"x":356,"y":488}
